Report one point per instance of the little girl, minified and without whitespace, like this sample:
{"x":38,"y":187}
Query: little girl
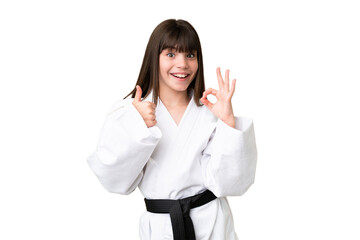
{"x":184,"y":157}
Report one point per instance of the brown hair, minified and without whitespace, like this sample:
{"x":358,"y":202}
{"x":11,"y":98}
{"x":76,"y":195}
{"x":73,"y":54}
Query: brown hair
{"x":180,"y":35}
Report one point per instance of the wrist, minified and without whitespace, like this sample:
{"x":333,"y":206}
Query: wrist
{"x":230,"y":121}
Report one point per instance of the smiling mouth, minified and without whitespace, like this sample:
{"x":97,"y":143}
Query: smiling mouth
{"x":181,"y":76}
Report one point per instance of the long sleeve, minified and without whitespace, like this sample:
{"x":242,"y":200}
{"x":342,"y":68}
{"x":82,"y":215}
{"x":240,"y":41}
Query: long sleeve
{"x":124,"y":147}
{"x":229,"y":160}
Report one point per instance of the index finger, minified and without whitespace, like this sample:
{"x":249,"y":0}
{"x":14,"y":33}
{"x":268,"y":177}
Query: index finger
{"x":219,"y":77}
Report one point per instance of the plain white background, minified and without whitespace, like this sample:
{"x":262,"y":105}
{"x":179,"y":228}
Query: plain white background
{"x":64,"y":63}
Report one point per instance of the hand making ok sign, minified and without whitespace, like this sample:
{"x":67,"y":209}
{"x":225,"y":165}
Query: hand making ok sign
{"x":222,"y":108}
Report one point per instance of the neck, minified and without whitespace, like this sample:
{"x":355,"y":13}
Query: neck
{"x":174,"y":98}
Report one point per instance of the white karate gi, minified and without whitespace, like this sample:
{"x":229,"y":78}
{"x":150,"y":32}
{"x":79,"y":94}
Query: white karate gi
{"x":169,"y":161}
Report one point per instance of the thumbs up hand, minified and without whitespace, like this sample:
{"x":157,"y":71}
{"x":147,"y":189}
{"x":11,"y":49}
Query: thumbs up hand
{"x":145,"y":108}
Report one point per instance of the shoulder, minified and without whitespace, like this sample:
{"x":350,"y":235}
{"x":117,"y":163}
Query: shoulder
{"x":120,"y":103}
{"x":206,"y":115}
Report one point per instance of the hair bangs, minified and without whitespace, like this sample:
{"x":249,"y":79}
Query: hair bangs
{"x":180,"y":39}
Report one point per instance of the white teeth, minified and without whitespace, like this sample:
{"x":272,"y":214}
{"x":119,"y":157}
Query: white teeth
{"x":180,"y":75}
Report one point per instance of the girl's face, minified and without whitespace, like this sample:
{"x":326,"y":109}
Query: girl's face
{"x":176,"y":70}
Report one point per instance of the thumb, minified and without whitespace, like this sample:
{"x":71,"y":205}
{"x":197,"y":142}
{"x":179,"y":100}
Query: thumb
{"x":207,"y":103}
{"x":138,"y":93}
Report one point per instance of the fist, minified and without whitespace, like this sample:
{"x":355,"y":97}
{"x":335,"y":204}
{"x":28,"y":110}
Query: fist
{"x":145,"y":108}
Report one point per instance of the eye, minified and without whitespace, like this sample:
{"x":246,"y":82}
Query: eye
{"x":170,"y":54}
{"x":191,"y":55}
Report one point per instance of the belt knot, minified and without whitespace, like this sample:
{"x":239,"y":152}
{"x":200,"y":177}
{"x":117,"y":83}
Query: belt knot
{"x":185,"y":206}
{"x":179,"y":210}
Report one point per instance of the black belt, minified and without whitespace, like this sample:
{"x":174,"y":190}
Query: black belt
{"x":182,"y":226}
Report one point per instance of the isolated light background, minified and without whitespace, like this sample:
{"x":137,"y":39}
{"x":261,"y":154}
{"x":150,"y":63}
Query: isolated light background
{"x":64,"y":63}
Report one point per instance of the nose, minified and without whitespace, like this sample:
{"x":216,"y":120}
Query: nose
{"x":182,"y":61}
